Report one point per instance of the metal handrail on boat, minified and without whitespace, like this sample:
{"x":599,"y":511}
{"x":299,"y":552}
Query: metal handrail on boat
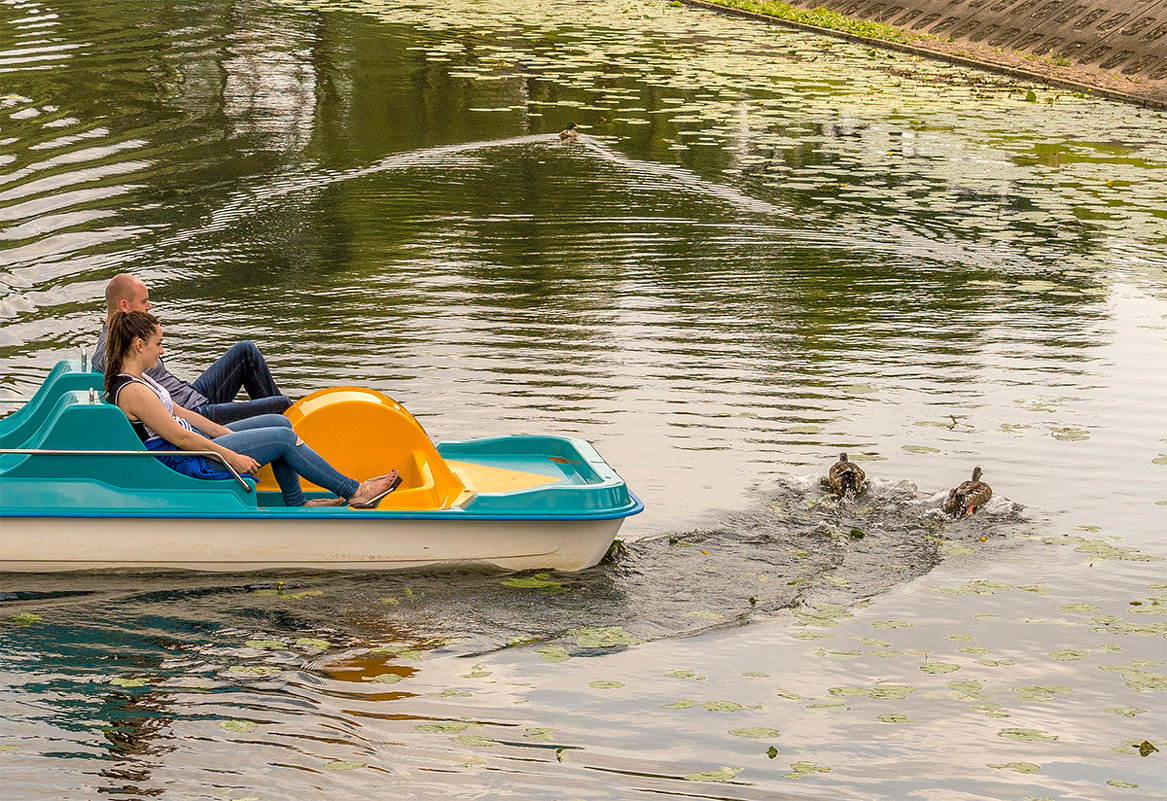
{"x":211,"y":454}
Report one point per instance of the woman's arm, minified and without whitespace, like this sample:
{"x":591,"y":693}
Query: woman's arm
{"x":203,"y":424}
{"x":138,"y":401}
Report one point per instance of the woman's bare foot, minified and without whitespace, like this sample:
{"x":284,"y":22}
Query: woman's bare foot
{"x":325,"y":502}
{"x":374,"y":489}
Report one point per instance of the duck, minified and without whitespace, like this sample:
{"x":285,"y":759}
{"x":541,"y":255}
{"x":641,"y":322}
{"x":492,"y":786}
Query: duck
{"x":969,"y":496}
{"x":845,"y":477}
{"x":569,"y":133}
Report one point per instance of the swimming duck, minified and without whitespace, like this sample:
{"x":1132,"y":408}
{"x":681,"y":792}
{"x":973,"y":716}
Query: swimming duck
{"x":845,"y":477}
{"x":569,"y":133}
{"x":969,"y":496}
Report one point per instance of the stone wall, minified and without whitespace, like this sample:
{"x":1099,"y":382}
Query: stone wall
{"x":1125,"y":37}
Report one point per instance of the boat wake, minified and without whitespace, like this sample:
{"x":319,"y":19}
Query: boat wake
{"x":798,"y":549}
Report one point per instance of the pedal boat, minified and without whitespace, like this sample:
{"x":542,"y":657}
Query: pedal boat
{"x":78,"y":491}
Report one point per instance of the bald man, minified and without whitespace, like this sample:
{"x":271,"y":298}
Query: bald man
{"x":213,"y":393}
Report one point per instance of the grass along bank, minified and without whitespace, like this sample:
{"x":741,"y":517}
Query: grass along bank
{"x":824,"y":18}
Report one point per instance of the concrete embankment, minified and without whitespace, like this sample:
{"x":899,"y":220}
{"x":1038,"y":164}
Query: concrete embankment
{"x":1112,"y":48}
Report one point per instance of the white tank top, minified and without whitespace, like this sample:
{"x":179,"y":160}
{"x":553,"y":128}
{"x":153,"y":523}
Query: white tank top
{"x":158,"y":390}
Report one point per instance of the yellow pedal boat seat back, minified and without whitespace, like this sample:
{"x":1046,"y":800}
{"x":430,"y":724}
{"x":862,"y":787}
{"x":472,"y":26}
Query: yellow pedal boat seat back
{"x":363,"y":433}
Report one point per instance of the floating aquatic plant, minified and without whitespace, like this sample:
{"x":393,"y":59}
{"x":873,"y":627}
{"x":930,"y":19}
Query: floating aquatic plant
{"x":120,"y":682}
{"x":239,"y":726}
{"x":602,"y":637}
{"x":448,"y":727}
{"x":553,"y":653}
{"x":1029,"y":735}
{"x":801,"y":769}
{"x":313,"y":643}
{"x":540,"y":581}
{"x":722,"y":774}
{"x":270,"y":645}
{"x":476,"y":741}
{"x":384,"y":678}
{"x":1017,"y":767}
{"x":755,"y":732}
{"x":722,"y":706}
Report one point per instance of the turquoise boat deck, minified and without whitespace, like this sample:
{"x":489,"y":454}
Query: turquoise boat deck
{"x":66,"y":453}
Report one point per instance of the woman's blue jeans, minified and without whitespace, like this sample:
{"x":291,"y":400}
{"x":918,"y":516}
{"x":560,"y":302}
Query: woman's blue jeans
{"x":269,"y":439}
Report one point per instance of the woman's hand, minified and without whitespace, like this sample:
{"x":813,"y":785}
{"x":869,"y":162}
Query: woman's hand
{"x":242,"y":463}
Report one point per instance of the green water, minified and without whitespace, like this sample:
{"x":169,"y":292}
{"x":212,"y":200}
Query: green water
{"x":765,"y":248}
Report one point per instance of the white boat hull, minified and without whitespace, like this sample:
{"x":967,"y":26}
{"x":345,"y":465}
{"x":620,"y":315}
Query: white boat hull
{"x":54,"y":544}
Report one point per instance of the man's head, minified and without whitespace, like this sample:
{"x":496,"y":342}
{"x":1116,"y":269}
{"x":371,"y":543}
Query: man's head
{"x":125,"y":293}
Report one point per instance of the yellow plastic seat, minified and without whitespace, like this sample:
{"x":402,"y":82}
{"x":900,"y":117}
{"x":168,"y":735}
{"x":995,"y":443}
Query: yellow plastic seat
{"x":363,"y":433}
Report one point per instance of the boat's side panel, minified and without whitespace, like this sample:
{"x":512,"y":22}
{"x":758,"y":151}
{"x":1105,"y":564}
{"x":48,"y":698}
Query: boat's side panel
{"x":232,"y":545}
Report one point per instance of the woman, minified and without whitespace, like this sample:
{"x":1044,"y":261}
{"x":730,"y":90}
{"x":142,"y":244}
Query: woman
{"x":135,"y":345}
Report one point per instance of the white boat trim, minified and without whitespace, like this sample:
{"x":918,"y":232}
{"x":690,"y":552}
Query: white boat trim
{"x":48,"y":544}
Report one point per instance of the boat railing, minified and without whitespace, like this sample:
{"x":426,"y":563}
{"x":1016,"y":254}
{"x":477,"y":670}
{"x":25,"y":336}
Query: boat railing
{"x":51,"y":452}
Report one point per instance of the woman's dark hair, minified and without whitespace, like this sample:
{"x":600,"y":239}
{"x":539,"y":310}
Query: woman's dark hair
{"x":124,"y":328}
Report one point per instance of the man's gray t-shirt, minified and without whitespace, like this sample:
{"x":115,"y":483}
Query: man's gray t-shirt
{"x":181,"y":392}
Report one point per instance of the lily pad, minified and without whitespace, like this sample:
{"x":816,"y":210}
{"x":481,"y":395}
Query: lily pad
{"x":1028,"y":735}
{"x":602,"y":637}
{"x":26,"y":619}
{"x":270,"y":645}
{"x":448,"y":726}
{"x":895,"y":718}
{"x":1068,"y":655}
{"x":892,"y":624}
{"x":540,"y":581}
{"x":758,"y":733}
{"x":128,"y":682}
{"x":240,"y":726}
{"x":450,"y":693}
{"x":682,"y":704}
{"x":553,"y":653}
{"x":920,"y":449}
{"x":385,"y":678}
{"x":474,"y":740}
{"x":1017,"y":767}
{"x":1126,"y":711}
{"x":683,"y":673}
{"x":939,"y":667}
{"x":256,"y":670}
{"x":344,"y":764}
{"x":722,"y":706}
{"x":720,"y":775}
{"x":478,"y":672}
{"x":313,"y":643}
{"x":606,"y":685}
{"x":801,"y":769}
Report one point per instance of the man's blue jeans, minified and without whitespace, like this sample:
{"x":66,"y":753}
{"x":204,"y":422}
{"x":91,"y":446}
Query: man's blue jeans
{"x":269,"y":439}
{"x":241,"y":367}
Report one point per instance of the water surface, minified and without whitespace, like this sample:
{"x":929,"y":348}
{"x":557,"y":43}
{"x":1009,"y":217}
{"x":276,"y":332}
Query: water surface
{"x":764,"y":249}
